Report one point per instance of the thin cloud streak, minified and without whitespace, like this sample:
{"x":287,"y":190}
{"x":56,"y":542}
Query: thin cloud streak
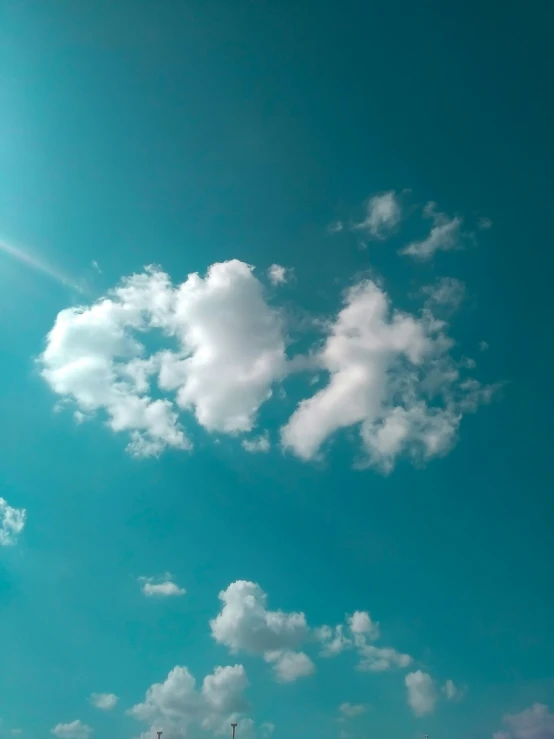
{"x":16,"y":252}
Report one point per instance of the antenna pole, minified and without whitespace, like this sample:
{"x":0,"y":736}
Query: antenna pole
{"x":234,"y":726}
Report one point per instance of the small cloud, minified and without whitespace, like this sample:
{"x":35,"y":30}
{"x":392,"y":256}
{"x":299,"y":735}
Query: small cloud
{"x":163,"y":587}
{"x":484,"y":223}
{"x":383,"y":214}
{"x":452,"y":692}
{"x":12,"y":523}
{"x":104,"y":701}
{"x":288,"y":666}
{"x":483,"y":346}
{"x":445,"y":235}
{"x":16,"y":732}
{"x":279,"y":275}
{"x":352,"y":709}
{"x":96,"y":266}
{"x":73,"y":730}
{"x":335,"y":227}
{"x":258,"y":444}
{"x":446,"y":292}
{"x":422,"y":693}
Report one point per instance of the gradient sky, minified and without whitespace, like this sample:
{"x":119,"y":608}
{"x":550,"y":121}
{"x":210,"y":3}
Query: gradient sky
{"x":316,"y":137}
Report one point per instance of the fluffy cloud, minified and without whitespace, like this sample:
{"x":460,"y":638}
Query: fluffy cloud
{"x":392,"y":375}
{"x":445,"y":235}
{"x":452,"y":692}
{"x":104,"y":701}
{"x":352,"y":709}
{"x":383,"y":214}
{"x":227,"y":349}
{"x":534,"y":723}
{"x":176,"y":704}
{"x":12,"y":522}
{"x":288,"y":666}
{"x":422,"y":692}
{"x":278,"y":275}
{"x":245,"y":623}
{"x":361,"y":630}
{"x":73,"y":730}
{"x":163,"y":587}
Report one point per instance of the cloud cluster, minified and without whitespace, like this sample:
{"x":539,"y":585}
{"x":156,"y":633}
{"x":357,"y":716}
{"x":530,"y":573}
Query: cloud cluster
{"x":246,"y":624}
{"x":151,"y":354}
{"x":163,"y":587}
{"x":12,"y":523}
{"x":536,"y":722}
{"x":359,"y":632}
{"x":176,"y":704}
{"x":350,"y":710}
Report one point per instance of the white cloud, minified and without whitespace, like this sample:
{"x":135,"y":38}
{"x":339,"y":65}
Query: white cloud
{"x":335,"y":227}
{"x":383,"y":214}
{"x":257,"y":444}
{"x":447,"y":292}
{"x":104,"y":701}
{"x":422,"y":693}
{"x":445,"y":235}
{"x":279,"y":275}
{"x":452,"y":692}
{"x":361,"y":623}
{"x":483,"y":346}
{"x":227,"y":350}
{"x":245,"y":623}
{"x":334,"y":640}
{"x":288,"y":666}
{"x":73,"y":730}
{"x":392,"y":375}
{"x":162,"y":587}
{"x":361,"y":630}
{"x":536,"y":722}
{"x":381,"y":659}
{"x":12,"y":523}
{"x":350,"y":710}
{"x":176,"y":704}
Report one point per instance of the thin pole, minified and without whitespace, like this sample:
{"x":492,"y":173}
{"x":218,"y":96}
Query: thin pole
{"x":159,"y":733}
{"x":234,"y":727}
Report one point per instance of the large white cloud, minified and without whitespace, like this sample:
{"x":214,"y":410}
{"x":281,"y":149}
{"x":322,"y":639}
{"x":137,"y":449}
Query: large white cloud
{"x":392,"y":375}
{"x":389,"y":373}
{"x":536,"y":722}
{"x":176,"y":704}
{"x":246,"y":624}
{"x":12,"y":523}
{"x":226,"y":348}
{"x":422,"y":692}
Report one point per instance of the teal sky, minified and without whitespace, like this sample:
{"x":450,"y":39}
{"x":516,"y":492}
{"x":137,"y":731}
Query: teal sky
{"x":206,"y":471}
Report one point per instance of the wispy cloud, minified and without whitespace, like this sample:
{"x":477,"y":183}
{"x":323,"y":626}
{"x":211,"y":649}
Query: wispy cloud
{"x":30,"y":260}
{"x":12,"y":522}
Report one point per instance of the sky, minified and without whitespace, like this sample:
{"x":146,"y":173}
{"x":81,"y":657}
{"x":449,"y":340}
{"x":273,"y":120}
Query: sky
{"x":275,"y":386}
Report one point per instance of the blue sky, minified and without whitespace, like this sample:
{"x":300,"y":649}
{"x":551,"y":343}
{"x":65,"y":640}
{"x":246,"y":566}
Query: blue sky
{"x":305,"y":459}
